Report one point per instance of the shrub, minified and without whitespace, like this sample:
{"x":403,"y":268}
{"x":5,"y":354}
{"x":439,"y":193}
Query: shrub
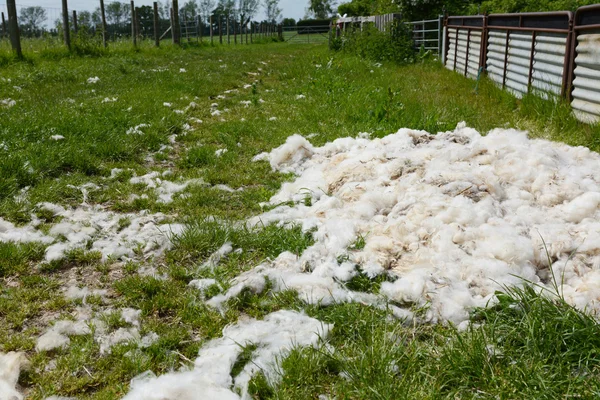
{"x":394,"y":44}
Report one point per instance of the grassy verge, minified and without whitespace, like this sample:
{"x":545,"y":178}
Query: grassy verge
{"x":524,"y":347}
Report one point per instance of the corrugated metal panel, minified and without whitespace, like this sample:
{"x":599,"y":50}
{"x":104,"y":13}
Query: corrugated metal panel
{"x":517,"y":67}
{"x":451,"y":46}
{"x":464,"y":58}
{"x":474,"y":54}
{"x":548,"y":61}
{"x":548,"y":65}
{"x":496,"y":54}
{"x":586,"y":85}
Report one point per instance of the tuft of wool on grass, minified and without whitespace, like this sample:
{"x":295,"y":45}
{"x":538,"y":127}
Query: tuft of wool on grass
{"x":450,"y":218}
{"x":10,"y":368}
{"x":210,"y":378}
{"x":145,"y":235}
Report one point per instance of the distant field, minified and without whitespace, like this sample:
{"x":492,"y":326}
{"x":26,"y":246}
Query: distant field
{"x":126,"y":183}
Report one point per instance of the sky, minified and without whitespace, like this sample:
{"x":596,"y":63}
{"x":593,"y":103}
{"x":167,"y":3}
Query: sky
{"x":291,"y":8}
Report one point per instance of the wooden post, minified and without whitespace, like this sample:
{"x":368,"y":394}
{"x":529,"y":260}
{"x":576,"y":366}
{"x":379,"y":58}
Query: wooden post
{"x":220,"y":29}
{"x":200,"y":28}
{"x":133,"y":35}
{"x":251,"y":31}
{"x":241,"y":31}
{"x":65,"y":15}
{"x":228,"y":32}
{"x":235,"y":32}
{"x":171,"y":19}
{"x":104,"y":30}
{"x":137,"y":25}
{"x":247,"y":32}
{"x":176,"y":30}
{"x":13,"y":27}
{"x":75,"y":21}
{"x":4,"y":28}
{"x":211,"y":30}
{"x":156,"y":33}
{"x":280,"y":32}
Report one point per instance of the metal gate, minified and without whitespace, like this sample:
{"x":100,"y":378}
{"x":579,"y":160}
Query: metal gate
{"x":426,"y":34}
{"x":306,"y":34}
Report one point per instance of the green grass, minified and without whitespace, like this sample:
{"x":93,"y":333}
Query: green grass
{"x":542,"y":348}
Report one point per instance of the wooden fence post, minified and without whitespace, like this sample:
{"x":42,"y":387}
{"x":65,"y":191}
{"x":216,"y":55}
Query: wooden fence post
{"x":220,"y":29}
{"x":137,"y":25}
{"x":75,"y":28}
{"x":280,"y":32}
{"x":4,"y":28}
{"x":228,"y":32}
{"x":133,"y":35}
{"x":171,"y":20}
{"x":211,"y":30}
{"x":65,"y":15}
{"x":104,"y":31}
{"x":156,"y":33}
{"x":200,"y":28}
{"x":176,"y":28}
{"x":13,"y":28}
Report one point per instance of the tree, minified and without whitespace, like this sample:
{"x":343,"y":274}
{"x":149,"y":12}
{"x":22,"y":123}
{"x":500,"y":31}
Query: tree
{"x":96,"y":17}
{"x":84,"y":19}
{"x":188,"y":11}
{"x":247,"y":9}
{"x":117,"y":12}
{"x":321,"y":9}
{"x":356,"y":8}
{"x":272,"y":10}
{"x":31,"y":19}
{"x":289,"y":22}
{"x":206,"y":7}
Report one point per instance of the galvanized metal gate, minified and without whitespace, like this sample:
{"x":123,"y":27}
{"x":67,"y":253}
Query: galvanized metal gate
{"x":426,"y":34}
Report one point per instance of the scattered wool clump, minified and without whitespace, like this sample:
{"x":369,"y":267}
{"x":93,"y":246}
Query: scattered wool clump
{"x":8,"y":103}
{"x":165,"y":190}
{"x":57,"y":336}
{"x":218,"y":255}
{"x":94,"y":79}
{"x":451,"y":218}
{"x":220,"y":152}
{"x":275,"y":336}
{"x":10,"y":367}
{"x":101,"y":228}
{"x":137,"y":130}
{"x":57,"y":137}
